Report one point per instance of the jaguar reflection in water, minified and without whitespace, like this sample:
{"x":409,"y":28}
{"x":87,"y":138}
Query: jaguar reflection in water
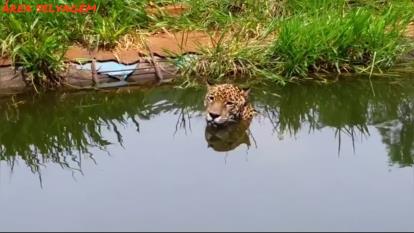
{"x":227,"y":138}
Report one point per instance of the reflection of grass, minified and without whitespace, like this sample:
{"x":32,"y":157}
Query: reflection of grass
{"x":398,"y":135}
{"x":58,"y":128}
{"x":74,"y":123}
{"x":349,"y":107}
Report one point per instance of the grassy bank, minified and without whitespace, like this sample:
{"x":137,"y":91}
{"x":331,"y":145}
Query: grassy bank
{"x":277,"y":39}
{"x":308,"y":39}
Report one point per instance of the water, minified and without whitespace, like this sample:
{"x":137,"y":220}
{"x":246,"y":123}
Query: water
{"x":336,"y":157}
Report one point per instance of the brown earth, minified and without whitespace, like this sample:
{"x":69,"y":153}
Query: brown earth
{"x":170,"y":10}
{"x":161,"y":44}
{"x":410,"y":30}
{"x":5,"y":61}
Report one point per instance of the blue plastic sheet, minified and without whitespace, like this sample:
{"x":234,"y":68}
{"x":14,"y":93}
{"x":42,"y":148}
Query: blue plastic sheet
{"x":113,"y":69}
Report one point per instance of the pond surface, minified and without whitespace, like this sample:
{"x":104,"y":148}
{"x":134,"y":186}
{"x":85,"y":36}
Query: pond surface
{"x":317,"y":157}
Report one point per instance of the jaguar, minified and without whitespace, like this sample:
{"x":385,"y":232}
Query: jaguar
{"x":227,"y":103}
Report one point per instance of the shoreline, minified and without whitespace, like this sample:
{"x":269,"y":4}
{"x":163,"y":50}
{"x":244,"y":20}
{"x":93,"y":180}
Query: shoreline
{"x":281,"y":43}
{"x":147,"y":73}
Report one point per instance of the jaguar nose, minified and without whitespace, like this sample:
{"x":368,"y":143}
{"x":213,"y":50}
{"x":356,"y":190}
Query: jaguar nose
{"x":213,"y":115}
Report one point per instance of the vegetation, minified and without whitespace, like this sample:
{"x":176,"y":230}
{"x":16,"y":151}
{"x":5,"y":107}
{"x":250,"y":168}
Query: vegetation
{"x":273,"y":39}
{"x":37,"y":41}
{"x":310,"y":38}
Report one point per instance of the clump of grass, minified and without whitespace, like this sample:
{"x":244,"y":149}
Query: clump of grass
{"x":41,"y":59}
{"x":231,"y":56}
{"x":38,"y":41}
{"x":106,"y":26}
{"x":311,"y":37}
{"x":5,"y":45}
{"x":37,"y":50}
{"x":112,"y":20}
{"x":215,"y":15}
{"x":108,"y":31}
{"x":345,"y":41}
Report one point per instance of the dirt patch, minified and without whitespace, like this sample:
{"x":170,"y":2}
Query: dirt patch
{"x":5,"y":62}
{"x":410,"y":30}
{"x":174,"y":10}
{"x":79,"y":54}
{"x":162,"y":44}
{"x":171,"y":44}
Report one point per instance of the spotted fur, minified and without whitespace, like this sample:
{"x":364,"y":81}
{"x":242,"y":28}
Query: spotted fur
{"x":227,"y":103}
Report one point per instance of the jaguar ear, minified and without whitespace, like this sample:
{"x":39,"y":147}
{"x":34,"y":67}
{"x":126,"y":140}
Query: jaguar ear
{"x":246,"y":93}
{"x":209,"y":83}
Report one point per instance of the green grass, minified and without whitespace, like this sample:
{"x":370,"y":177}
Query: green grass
{"x":344,"y":42}
{"x":37,"y":42}
{"x":272,"y":39}
{"x":307,"y":39}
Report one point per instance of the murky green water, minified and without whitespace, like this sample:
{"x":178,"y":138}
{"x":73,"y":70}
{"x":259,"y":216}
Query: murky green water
{"x":336,"y":157}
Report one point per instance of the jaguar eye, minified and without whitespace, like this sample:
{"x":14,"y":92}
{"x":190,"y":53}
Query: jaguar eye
{"x":210,"y":98}
{"x":228,"y":103}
